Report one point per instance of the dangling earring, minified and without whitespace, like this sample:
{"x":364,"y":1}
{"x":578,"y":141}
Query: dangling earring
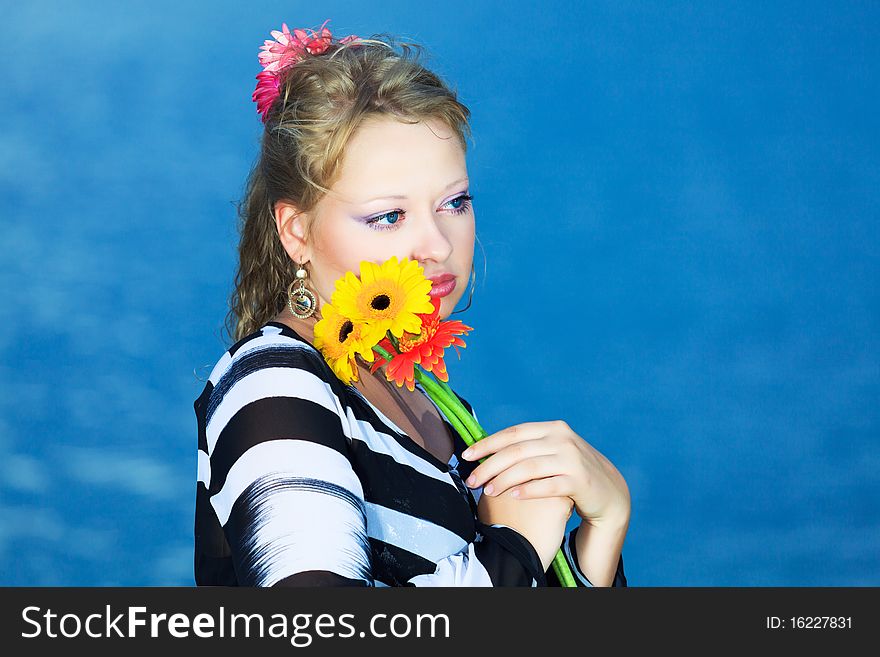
{"x":471,"y":294}
{"x":301,"y":300}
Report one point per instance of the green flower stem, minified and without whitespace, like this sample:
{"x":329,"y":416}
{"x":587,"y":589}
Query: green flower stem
{"x":563,"y":570}
{"x":453,"y":419}
{"x":474,"y":431}
{"x":470,"y":431}
{"x":439,"y":390}
{"x":384,"y":354}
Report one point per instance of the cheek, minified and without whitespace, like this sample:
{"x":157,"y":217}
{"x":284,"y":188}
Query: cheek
{"x":333,"y":254}
{"x":342,"y":248}
{"x":465,"y":235}
{"x":340,"y":245}
{"x":464,"y":241}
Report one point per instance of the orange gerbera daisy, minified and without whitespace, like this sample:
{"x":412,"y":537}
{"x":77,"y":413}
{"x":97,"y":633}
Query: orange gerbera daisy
{"x":425,"y":349}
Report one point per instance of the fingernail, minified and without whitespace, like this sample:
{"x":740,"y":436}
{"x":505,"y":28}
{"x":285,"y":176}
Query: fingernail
{"x":488,"y":489}
{"x":466,"y":454}
{"x":471,"y":480}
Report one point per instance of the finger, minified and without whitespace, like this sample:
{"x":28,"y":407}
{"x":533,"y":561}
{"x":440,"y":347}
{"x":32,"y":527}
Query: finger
{"x":501,"y":439}
{"x":523,"y":472}
{"x":558,"y":486}
{"x":507,"y":457}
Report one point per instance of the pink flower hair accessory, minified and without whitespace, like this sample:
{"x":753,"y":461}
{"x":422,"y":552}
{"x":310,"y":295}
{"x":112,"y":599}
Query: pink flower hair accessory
{"x":285,"y":51}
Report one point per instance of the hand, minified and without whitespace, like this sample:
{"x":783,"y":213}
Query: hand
{"x":547,"y":459}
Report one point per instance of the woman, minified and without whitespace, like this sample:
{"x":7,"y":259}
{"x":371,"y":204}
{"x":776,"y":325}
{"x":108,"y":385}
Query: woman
{"x":307,"y":481}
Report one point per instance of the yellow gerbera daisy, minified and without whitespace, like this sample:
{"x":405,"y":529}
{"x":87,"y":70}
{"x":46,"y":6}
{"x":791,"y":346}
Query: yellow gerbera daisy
{"x":339,"y":339}
{"x":386,"y":296}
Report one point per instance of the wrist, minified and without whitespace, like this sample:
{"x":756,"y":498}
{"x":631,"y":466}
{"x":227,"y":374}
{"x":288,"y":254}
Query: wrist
{"x":612,"y":519}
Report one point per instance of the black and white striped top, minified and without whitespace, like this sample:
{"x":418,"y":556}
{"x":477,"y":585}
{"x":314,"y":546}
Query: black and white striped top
{"x":303,"y":482}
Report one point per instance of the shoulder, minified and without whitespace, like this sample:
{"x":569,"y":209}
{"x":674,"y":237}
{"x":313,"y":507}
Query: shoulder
{"x":272,"y":362}
{"x":272,"y":345}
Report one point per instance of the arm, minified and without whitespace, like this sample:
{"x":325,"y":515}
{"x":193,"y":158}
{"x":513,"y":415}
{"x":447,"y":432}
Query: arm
{"x":598,"y":551}
{"x":282,"y":486}
{"x":517,"y":540}
{"x":541,"y":521}
{"x":569,"y":549}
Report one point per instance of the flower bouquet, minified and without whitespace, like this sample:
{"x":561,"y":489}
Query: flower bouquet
{"x":387,"y":317}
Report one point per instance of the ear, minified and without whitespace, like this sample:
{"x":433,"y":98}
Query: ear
{"x":291,"y":224}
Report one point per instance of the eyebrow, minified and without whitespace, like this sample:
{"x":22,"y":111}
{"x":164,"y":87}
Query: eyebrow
{"x":401,"y":196}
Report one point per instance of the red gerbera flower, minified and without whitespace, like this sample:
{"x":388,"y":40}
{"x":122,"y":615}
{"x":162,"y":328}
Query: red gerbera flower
{"x":425,"y":349}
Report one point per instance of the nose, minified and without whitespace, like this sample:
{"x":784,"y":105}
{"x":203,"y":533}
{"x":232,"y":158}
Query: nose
{"x":431,"y":242}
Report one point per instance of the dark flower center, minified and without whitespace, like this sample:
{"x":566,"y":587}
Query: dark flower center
{"x":380,"y":302}
{"x":345,"y":330}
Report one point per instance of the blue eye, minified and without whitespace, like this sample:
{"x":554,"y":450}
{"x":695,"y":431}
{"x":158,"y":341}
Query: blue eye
{"x":395,"y":216}
{"x":374,"y":222}
{"x":465,"y":203}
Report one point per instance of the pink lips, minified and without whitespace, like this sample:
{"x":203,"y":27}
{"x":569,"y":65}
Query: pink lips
{"x":442,"y":285}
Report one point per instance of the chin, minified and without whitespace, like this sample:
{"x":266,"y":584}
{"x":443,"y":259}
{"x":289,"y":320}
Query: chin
{"x":447,"y":305}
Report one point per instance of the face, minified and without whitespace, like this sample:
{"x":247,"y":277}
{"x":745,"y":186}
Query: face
{"x":402,"y":191}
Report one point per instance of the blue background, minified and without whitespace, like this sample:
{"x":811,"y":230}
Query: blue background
{"x":677,"y":205}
